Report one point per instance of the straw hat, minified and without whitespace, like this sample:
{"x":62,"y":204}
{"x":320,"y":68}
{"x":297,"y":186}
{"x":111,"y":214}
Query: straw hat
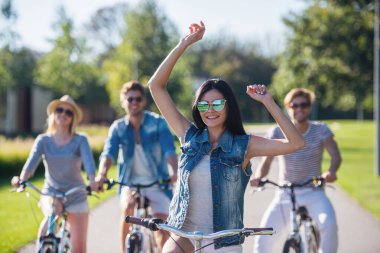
{"x":66,"y":99}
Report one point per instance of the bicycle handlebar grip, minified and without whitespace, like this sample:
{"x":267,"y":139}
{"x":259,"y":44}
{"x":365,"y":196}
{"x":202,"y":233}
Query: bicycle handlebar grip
{"x":89,"y":190}
{"x":137,"y":221}
{"x":262,"y":229}
{"x":110,"y":183}
{"x":262,"y":182}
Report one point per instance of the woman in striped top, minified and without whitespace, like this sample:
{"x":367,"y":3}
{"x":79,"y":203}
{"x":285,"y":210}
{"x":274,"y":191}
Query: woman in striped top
{"x":299,"y":167}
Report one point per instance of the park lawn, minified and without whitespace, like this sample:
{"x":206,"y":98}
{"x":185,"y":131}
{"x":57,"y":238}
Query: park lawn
{"x":20,"y":216}
{"x":357,"y":174}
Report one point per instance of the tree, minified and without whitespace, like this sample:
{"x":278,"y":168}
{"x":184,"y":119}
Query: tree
{"x":147,"y":40}
{"x":239,"y":65}
{"x":106,"y":27}
{"x":329,"y":51}
{"x":66,"y":68}
{"x":8,"y":36}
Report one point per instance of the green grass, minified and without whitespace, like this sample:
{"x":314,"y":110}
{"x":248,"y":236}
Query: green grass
{"x":356,"y":174}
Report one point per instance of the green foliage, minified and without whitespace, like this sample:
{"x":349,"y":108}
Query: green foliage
{"x":104,"y":30}
{"x":5,"y":76}
{"x":147,"y":40}
{"x":239,"y":65}
{"x":65,"y":69}
{"x":16,"y":67}
{"x":328,"y":50}
{"x":8,"y":18}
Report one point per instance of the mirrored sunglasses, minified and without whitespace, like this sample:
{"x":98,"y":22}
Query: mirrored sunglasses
{"x":137,"y":99}
{"x":217,"y":105}
{"x":302,"y":105}
{"x":68,"y":112}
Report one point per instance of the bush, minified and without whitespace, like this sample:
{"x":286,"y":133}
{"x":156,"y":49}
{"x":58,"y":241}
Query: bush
{"x":15,"y":151}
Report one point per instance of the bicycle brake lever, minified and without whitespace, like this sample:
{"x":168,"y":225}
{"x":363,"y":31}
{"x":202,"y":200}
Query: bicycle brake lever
{"x":110,"y":183}
{"x":153,"y":224}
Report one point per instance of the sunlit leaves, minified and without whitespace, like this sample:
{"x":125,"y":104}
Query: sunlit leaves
{"x":330,"y":51}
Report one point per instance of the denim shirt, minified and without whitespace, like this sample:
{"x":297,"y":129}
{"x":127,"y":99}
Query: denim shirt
{"x":228,"y":181}
{"x":155,"y":137}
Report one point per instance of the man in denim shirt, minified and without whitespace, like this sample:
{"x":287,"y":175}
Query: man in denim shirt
{"x":143,"y":145}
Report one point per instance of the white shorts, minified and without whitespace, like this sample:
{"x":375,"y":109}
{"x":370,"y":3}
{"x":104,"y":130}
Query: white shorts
{"x":211,"y":249}
{"x":159,"y":201}
{"x":48,"y":205}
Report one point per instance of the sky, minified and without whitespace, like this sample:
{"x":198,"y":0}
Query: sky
{"x":253,"y":20}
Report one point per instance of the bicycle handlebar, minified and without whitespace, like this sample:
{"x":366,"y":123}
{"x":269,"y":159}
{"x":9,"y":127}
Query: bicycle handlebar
{"x":317,"y":182}
{"x":156,"y":224}
{"x":60,"y":195}
{"x":111,"y":182}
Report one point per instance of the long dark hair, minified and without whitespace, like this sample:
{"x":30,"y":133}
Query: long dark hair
{"x":233,"y":122}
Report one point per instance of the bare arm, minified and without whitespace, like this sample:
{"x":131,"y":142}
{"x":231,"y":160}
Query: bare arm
{"x":262,"y":170}
{"x":173,"y":162}
{"x":104,"y":165}
{"x":333,"y":150}
{"x":157,"y":83}
{"x":259,"y":146}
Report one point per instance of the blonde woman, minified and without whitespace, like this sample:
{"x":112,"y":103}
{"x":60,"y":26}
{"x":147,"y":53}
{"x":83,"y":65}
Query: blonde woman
{"x":63,"y":151}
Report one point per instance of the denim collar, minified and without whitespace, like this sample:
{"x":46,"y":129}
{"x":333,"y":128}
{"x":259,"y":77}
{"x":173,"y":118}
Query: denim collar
{"x":127,"y":121}
{"x":225,"y":141}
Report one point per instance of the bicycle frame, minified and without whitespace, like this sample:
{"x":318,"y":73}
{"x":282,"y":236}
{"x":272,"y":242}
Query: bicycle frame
{"x":157,"y":224}
{"x":141,"y":210}
{"x":58,"y":244}
{"x":301,"y":212}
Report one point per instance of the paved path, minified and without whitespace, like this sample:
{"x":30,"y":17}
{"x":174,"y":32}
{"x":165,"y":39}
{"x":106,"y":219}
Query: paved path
{"x":359,"y":232}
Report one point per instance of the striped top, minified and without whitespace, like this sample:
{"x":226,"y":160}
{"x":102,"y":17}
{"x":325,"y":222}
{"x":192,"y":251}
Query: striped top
{"x":304,"y":164}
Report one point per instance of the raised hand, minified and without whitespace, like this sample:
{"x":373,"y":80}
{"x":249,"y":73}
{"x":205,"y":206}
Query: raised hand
{"x":259,"y":93}
{"x":196,"y":32}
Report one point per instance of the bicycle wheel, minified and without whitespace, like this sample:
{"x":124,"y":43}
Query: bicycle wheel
{"x":292,"y":246}
{"x":65,"y":245}
{"x":134,"y":243}
{"x":149,"y":241}
{"x":310,"y":236}
{"x":48,"y":245}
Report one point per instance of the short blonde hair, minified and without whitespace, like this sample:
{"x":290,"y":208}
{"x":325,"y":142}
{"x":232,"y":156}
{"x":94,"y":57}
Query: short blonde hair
{"x":309,"y":95}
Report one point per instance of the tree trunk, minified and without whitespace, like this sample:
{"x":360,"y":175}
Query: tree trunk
{"x":359,"y":111}
{"x":10,"y":122}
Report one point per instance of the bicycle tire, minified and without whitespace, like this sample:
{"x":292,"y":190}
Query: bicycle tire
{"x":310,"y":236}
{"x":65,"y":242}
{"x":149,"y":241}
{"x":292,"y":246}
{"x":48,"y":245}
{"x":134,"y":243}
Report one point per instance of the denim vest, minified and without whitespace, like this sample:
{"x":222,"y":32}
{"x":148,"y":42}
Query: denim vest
{"x":155,"y":137}
{"x":228,"y":181}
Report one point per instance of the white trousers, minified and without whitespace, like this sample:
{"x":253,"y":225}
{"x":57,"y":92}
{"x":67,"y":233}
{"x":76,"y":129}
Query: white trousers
{"x":278,"y":216}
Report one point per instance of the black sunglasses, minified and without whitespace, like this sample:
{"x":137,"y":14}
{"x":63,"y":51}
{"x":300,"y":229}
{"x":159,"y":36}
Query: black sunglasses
{"x":137,"y":99}
{"x":302,"y":105}
{"x":68,"y":112}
